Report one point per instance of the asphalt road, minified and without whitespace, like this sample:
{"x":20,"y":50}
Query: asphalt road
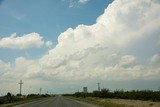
{"x":58,"y":101}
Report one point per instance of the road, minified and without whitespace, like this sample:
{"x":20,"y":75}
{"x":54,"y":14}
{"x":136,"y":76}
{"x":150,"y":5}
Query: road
{"x":58,"y":101}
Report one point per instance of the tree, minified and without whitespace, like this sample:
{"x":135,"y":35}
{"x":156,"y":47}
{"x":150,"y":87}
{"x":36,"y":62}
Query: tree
{"x":9,"y":97}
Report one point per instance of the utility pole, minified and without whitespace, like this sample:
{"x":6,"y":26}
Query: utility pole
{"x":40,"y":91}
{"x":98,"y":86}
{"x":20,"y":87}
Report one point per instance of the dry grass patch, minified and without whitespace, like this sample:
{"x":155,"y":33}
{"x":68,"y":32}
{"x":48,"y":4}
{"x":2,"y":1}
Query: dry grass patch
{"x":134,"y":103}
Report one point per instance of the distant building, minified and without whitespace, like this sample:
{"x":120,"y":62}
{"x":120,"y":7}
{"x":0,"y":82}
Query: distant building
{"x":85,"y":89}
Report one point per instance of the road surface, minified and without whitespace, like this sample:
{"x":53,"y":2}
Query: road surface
{"x":58,"y":101}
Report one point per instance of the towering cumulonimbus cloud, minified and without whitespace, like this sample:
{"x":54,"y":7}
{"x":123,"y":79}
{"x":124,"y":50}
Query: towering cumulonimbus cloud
{"x":123,"y":44}
{"x":110,"y":47}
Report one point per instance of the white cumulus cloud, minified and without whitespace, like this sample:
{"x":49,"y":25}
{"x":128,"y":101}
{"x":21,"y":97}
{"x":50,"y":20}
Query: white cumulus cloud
{"x":110,"y":49}
{"x":83,"y":1}
{"x":87,"y":51}
{"x":155,"y":60}
{"x":4,"y":67}
{"x":49,"y":44}
{"x":32,"y":40}
{"x":75,"y":3}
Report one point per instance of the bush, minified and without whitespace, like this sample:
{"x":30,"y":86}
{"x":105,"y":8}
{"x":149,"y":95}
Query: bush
{"x":134,"y":94}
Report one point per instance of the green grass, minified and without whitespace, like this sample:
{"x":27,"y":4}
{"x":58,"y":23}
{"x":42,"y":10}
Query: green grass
{"x":96,"y":101}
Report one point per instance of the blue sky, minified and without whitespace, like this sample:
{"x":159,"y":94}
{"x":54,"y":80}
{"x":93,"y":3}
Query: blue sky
{"x":63,"y":45}
{"x":47,"y":17}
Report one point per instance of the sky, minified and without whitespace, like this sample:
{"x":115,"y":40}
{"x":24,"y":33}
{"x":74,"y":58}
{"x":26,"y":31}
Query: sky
{"x":63,"y":45}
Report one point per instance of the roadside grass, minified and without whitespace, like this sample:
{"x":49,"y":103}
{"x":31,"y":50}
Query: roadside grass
{"x":21,"y":102}
{"x":96,"y":101}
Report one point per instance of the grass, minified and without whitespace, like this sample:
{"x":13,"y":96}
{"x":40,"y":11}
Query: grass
{"x":21,"y":102}
{"x":97,"y":101}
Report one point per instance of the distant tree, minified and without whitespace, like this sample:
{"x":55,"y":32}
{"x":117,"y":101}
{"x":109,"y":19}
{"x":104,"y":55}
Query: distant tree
{"x":18,"y":95}
{"x":9,"y":97}
{"x":134,"y":94}
{"x":96,"y":94}
{"x":105,"y":93}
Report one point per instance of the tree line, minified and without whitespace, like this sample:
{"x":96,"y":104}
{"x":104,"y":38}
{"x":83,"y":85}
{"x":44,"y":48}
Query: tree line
{"x":11,"y":98}
{"x":121,"y":94}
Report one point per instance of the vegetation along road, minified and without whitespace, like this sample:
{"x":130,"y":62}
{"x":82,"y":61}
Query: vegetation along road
{"x":58,"y":101}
